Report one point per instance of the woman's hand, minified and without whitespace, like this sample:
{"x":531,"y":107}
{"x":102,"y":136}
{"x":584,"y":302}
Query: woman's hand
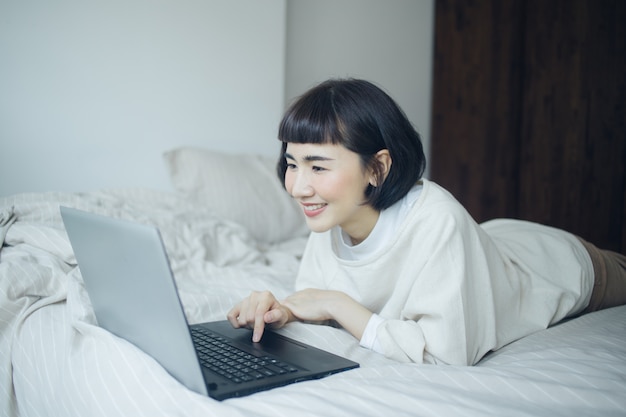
{"x":257,"y":311}
{"x":321,"y":305}
{"x":262,"y":308}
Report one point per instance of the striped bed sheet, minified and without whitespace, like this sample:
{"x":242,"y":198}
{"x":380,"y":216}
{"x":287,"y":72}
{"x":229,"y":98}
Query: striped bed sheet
{"x":54,"y":360}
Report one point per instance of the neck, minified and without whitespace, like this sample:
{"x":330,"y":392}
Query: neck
{"x":360,"y":229}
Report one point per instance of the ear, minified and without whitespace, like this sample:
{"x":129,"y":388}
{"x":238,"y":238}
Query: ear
{"x":379,"y":173}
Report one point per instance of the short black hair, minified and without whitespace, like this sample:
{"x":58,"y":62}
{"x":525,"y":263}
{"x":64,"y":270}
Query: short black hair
{"x":364,"y":119}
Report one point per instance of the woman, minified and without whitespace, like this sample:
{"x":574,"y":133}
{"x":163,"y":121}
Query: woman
{"x":395,"y":260}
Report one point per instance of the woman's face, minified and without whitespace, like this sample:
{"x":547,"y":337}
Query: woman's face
{"x":329,"y":183}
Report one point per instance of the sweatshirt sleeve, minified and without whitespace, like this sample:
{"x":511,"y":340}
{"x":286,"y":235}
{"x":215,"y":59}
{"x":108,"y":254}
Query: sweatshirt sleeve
{"x":447,"y":317}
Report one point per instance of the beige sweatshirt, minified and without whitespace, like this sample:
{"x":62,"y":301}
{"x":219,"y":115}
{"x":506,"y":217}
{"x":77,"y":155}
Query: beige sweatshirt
{"x":450,"y":290}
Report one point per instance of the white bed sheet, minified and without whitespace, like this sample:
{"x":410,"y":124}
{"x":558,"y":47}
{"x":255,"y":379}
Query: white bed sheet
{"x":55,"y":361}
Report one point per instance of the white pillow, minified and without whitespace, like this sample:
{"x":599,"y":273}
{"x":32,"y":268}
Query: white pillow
{"x":242,"y":188}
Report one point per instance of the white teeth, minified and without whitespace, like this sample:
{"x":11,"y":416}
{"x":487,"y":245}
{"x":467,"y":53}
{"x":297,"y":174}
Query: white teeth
{"x":314,"y":207}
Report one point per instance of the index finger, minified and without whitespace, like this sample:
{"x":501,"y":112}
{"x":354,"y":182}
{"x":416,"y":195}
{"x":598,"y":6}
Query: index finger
{"x":266,"y":303}
{"x":259,"y":327}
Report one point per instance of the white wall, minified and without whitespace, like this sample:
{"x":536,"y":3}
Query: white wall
{"x":388,"y":42}
{"x":92,"y":93}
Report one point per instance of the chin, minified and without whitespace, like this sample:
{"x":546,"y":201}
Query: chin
{"x":317,"y":227}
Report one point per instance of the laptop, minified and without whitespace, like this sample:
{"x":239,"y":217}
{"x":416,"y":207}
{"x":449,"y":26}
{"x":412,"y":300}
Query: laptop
{"x":131,"y":286}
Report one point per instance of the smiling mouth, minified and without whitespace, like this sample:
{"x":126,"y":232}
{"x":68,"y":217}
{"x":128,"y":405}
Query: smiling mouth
{"x":311,"y":210}
{"x":313,"y":207}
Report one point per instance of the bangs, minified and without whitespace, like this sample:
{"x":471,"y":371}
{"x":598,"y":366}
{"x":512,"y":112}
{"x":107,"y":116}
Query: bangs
{"x":312,"y":121}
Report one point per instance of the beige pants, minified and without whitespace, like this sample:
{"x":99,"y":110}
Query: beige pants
{"x":609,"y":288}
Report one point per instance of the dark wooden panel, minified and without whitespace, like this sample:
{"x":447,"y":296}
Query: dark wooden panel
{"x":477,"y":104}
{"x":529,"y":112}
{"x":573,"y":133}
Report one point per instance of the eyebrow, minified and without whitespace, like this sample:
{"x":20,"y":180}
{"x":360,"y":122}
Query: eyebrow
{"x":310,"y":158}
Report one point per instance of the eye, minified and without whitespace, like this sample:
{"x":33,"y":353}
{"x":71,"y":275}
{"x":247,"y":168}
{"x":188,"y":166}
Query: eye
{"x":316,"y":168}
{"x":291,"y":166}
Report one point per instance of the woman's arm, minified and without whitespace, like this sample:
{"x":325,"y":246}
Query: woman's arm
{"x":262,"y":308}
{"x":320,"y":305}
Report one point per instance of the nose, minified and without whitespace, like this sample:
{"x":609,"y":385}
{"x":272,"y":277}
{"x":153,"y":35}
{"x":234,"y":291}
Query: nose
{"x":298,"y":184}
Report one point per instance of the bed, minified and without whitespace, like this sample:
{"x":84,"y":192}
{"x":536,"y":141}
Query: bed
{"x":229,"y":228}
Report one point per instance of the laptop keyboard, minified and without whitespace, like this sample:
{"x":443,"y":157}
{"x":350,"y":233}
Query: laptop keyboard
{"x":216,"y":354}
